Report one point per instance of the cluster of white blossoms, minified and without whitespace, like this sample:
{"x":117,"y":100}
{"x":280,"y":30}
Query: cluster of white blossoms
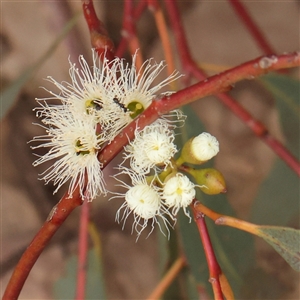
{"x":91,"y":110}
{"x":94,"y":108}
{"x":158,"y":190}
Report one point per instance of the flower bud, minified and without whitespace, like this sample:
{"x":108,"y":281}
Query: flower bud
{"x":211,"y":181}
{"x":199,"y":149}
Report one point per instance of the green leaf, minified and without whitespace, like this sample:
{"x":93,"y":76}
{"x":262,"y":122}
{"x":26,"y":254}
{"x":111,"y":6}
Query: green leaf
{"x":9,"y":95}
{"x":65,"y":287}
{"x":286,"y":241}
{"x":277,"y":201}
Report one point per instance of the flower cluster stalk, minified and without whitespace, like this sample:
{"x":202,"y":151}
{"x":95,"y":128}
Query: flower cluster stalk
{"x":213,"y":265}
{"x":100,"y":39}
{"x":210,"y":86}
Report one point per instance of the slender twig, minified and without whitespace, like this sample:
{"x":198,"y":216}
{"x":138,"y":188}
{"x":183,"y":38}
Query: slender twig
{"x":82,"y":253}
{"x":56,"y":217}
{"x":254,"y":30}
{"x":221,"y":219}
{"x":11,"y":261}
{"x":138,"y":10}
{"x":156,"y":9}
{"x":192,"y":69}
{"x":100,"y":39}
{"x":168,"y":279}
{"x":129,"y":31}
{"x":213,"y":265}
{"x":212,"y":85}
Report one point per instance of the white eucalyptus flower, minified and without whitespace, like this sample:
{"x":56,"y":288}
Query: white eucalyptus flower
{"x":136,"y":89}
{"x":178,"y":192}
{"x":142,"y":200}
{"x":92,"y":92}
{"x":153,"y":146}
{"x":96,"y":104}
{"x":74,"y":145}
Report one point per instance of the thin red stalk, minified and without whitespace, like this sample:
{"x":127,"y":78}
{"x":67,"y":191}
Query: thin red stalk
{"x":168,"y":278}
{"x":56,"y":217}
{"x":258,"y":129}
{"x":129,"y":31}
{"x":191,"y":67}
{"x":213,"y":265}
{"x":212,"y":85}
{"x":139,"y":9}
{"x":99,"y":36}
{"x":156,"y":9}
{"x":252,"y":27}
{"x":82,"y":253}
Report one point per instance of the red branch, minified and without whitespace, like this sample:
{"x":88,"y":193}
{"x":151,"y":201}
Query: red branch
{"x":192,"y":69}
{"x":252,"y":27}
{"x":129,"y":31}
{"x":55,"y":219}
{"x":210,"y":86}
{"x":99,"y":36}
{"x":213,"y":265}
{"x":139,"y":9}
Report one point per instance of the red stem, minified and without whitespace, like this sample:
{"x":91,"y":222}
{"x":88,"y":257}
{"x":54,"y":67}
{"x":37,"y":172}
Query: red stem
{"x":213,"y":265}
{"x":191,"y":67}
{"x":252,"y":27}
{"x":212,"y":85}
{"x":139,"y":9}
{"x":99,"y":36}
{"x":82,"y":253}
{"x":56,"y":217}
{"x":129,"y":31}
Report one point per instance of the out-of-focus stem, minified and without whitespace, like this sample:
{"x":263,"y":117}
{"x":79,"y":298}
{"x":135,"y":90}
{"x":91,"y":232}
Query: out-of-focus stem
{"x":56,"y":217}
{"x":82,"y":253}
{"x":191,"y":67}
{"x":252,"y":27}
{"x":141,"y":6}
{"x":212,"y":85}
{"x":155,"y":7}
{"x":168,"y":279}
{"x":129,"y":31}
{"x":99,"y":36}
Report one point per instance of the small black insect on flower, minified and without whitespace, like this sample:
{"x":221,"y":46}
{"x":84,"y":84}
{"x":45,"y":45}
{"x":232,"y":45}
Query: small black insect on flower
{"x":117,"y":101}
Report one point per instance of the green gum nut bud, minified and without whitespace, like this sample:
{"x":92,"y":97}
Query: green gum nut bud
{"x":211,"y":181}
{"x":187,"y":154}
